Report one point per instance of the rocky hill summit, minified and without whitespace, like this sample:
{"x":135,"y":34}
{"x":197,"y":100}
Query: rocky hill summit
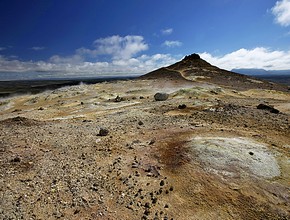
{"x":193,"y":68}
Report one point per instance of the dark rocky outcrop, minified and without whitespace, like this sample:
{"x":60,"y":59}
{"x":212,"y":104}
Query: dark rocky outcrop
{"x":193,"y":56}
{"x":19,"y":120}
{"x":268,"y":108}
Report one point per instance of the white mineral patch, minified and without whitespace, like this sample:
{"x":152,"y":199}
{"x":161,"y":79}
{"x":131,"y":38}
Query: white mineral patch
{"x":235,"y":156}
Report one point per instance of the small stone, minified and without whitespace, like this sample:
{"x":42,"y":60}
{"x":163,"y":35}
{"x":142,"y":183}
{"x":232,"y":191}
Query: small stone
{"x":152,"y":141}
{"x":182,"y":106}
{"x":147,"y":205}
{"x":16,"y":159}
{"x":251,"y":153}
{"x":140,"y":123}
{"x":103,"y":132}
{"x":150,"y":174}
{"x":166,"y":206}
{"x":118,"y":99}
{"x":129,"y":207}
{"x":147,"y":212}
{"x":161,"y":96}
{"x":162,"y":183}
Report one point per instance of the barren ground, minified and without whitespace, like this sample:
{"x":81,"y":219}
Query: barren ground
{"x":219,"y":157}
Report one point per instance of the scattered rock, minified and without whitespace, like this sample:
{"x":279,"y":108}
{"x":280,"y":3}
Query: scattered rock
{"x":119,"y":99}
{"x":161,"y":96}
{"x":268,"y":108}
{"x":135,"y":165}
{"x":152,"y":171}
{"x":182,"y":106}
{"x":147,"y":212}
{"x":147,"y":205}
{"x":16,"y":159}
{"x":213,"y":92}
{"x":154,"y":200}
{"x":86,"y":120}
{"x":152,"y":141}
{"x":103,"y":132}
{"x":17,"y":110}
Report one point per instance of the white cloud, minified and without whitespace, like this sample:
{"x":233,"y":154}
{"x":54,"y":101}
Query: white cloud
{"x":75,"y":59}
{"x":37,"y":48}
{"x":116,"y":46}
{"x":75,"y":65}
{"x":281,"y":10}
{"x":259,"y":57}
{"x":174,"y":43}
{"x":2,"y":48}
{"x":167,"y":31}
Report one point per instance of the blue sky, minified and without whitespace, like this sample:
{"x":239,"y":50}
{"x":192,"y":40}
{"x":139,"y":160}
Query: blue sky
{"x":137,"y":36}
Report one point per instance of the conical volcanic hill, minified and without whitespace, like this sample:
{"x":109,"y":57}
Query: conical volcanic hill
{"x":193,"y":68}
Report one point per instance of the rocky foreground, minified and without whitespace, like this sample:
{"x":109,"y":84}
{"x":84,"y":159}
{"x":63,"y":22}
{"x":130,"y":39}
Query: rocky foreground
{"x":111,"y":151}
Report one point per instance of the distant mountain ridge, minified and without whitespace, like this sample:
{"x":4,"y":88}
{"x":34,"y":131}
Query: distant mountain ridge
{"x":257,"y":72}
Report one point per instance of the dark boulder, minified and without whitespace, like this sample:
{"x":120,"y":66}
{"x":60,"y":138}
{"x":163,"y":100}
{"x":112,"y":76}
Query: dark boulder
{"x":161,"y":96}
{"x":103,"y":132}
